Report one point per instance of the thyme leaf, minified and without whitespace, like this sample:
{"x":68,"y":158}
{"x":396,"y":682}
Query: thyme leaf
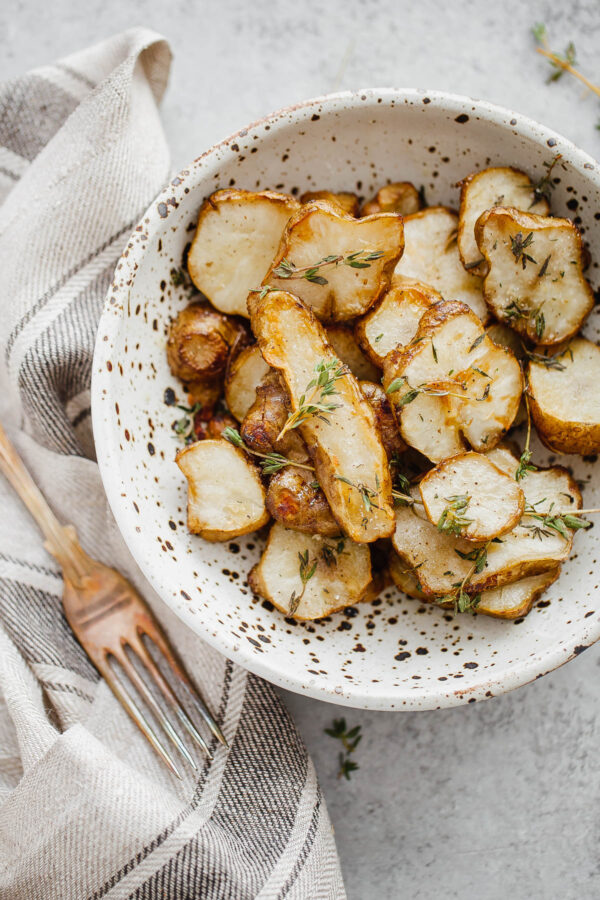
{"x":269,"y":462}
{"x":350,"y":738}
{"x":313,"y":401}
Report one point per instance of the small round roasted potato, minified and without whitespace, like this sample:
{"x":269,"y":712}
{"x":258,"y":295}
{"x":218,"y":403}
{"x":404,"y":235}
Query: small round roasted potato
{"x":399,"y":197}
{"x":199,"y":342}
{"x":564,"y":397}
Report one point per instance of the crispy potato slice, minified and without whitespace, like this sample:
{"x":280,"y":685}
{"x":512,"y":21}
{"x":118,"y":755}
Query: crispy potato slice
{"x":565,"y":397}
{"x":349,"y":458}
{"x":394,"y":319}
{"x":295,"y":499}
{"x":452,"y":384}
{"x":342,"y":339}
{"x":467,"y":495}
{"x":236,"y":238}
{"x":244,"y":373}
{"x":341,"y":577}
{"x":431,"y":255}
{"x":511,"y":601}
{"x":506,"y":337}
{"x":384,"y":417}
{"x":522,"y":552}
{"x":535,"y":281}
{"x":346,"y":201}
{"x":200,"y":340}
{"x":399,"y":197}
{"x":349,"y":287}
{"x":496,"y":186}
{"x":226,"y":496}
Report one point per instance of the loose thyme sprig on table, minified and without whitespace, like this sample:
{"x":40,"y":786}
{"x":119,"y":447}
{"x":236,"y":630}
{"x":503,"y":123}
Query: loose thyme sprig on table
{"x":307,"y":569}
{"x":313,"y":400}
{"x":561,"y":63}
{"x":350,"y":739}
{"x":269,"y":462}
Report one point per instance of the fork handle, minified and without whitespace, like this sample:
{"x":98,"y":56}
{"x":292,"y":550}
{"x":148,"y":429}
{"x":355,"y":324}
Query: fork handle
{"x":61,"y":540}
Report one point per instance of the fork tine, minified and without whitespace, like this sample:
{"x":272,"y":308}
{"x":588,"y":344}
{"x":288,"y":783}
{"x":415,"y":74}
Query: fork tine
{"x":138,"y":682}
{"x":161,"y":644}
{"x":172,"y":699}
{"x":123,"y":697}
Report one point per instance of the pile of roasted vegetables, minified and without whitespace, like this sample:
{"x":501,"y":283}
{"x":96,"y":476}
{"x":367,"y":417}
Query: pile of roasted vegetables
{"x":353,"y":373}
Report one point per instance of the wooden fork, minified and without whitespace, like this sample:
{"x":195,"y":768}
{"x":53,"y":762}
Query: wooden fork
{"x":115,"y":627}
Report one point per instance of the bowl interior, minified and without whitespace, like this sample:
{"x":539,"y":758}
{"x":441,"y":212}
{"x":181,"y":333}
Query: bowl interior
{"x":394,"y":653}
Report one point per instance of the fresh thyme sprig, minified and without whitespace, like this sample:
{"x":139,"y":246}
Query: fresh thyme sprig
{"x":525,"y":465}
{"x":367,"y":494}
{"x":550,"y":362}
{"x":184,"y":427}
{"x":549,"y":521}
{"x":431,"y":390}
{"x":313,"y":401}
{"x":542,"y":189}
{"x":561,"y":63}
{"x":452,"y":519}
{"x":269,"y":462}
{"x":518,"y":245}
{"x":515,"y":311}
{"x":459,"y":597}
{"x":360,"y":259}
{"x":307,"y":569}
{"x":328,"y":552}
{"x":350,"y":739}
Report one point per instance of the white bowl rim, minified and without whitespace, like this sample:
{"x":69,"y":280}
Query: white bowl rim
{"x":539,"y":664}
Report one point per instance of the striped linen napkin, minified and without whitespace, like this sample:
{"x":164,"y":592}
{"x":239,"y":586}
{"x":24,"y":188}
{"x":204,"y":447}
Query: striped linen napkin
{"x":86,"y":809}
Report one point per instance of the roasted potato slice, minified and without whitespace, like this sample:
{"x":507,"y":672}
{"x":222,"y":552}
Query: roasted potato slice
{"x":431,"y":256}
{"x":244,"y":373}
{"x":236,"y":238}
{"x":384,"y":416}
{"x":394,"y":319}
{"x":342,"y":339}
{"x":565,"y":397}
{"x":349,"y":458}
{"x":513,"y":601}
{"x":347,"y":202}
{"x":362,"y":254}
{"x":399,"y":197}
{"x":480,"y":191}
{"x":442,"y":561}
{"x":226,"y":496}
{"x":468,"y":496}
{"x":510,"y":601}
{"x":452,"y":384}
{"x":339,"y":573}
{"x":295,"y":499}
{"x":535,"y":280}
{"x":200,"y":340}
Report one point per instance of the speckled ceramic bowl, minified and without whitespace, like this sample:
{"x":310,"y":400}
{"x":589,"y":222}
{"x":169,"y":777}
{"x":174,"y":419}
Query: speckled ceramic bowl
{"x":394,"y":653}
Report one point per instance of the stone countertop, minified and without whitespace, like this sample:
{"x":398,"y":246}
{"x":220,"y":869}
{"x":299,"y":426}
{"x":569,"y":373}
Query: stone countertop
{"x":492,"y":800}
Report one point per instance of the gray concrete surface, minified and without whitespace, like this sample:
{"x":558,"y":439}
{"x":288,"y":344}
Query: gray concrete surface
{"x":497,"y":800}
